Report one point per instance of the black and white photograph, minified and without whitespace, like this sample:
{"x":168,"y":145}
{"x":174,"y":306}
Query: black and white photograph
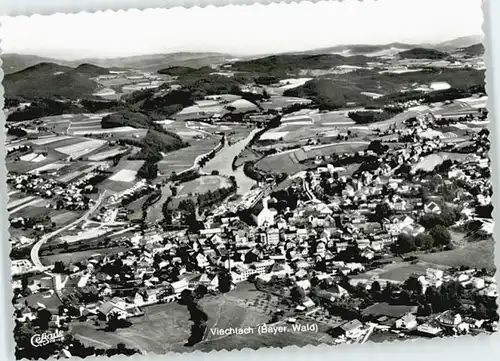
{"x":219,"y":178}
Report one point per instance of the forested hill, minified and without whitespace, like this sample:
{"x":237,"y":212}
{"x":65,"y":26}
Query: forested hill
{"x":288,"y":63}
{"x":474,"y":50}
{"x":424,"y":53}
{"x":50,"y":80}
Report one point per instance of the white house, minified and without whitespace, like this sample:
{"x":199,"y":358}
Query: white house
{"x":432,"y":207}
{"x":262,"y":215}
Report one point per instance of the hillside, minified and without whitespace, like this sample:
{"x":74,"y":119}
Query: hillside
{"x":50,"y":80}
{"x":157,"y":139}
{"x":474,"y":50}
{"x":155,"y":143}
{"x":423,"y":53}
{"x":335,"y":91}
{"x":126,"y":118}
{"x":154,"y":62}
{"x":461,"y":42}
{"x":90,"y":70}
{"x":12,"y":63}
{"x":281,"y":66}
{"x":357,"y":49}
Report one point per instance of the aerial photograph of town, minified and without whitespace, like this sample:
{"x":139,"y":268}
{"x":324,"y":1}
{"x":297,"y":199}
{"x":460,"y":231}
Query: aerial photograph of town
{"x":237,"y":188}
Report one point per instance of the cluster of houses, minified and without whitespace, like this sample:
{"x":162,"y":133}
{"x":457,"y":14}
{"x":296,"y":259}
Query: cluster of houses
{"x":70,"y":196}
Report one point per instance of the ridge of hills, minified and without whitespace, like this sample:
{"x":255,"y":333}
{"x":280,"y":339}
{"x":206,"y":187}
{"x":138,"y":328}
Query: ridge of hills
{"x":424,"y":53}
{"x":14,"y":62}
{"x":53,"y":80}
{"x":474,"y":50}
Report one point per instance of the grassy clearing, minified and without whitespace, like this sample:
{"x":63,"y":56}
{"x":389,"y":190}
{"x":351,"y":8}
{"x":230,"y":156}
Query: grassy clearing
{"x":19,"y":166}
{"x":290,"y":162}
{"x":73,"y":257}
{"x":396,"y":272}
{"x":203,"y":185}
{"x":163,"y":328}
{"x":52,"y":303}
{"x":182,"y":159}
{"x":155,"y":211}
{"x":474,"y":254}
{"x":123,"y":175}
{"x":227,"y":310}
{"x":80,"y":149}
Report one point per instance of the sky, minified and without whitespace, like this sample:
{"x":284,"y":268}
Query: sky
{"x":239,"y":29}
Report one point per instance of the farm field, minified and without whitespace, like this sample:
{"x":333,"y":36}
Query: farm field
{"x":19,"y":199}
{"x":48,"y":168}
{"x":58,"y":216}
{"x":396,"y":272}
{"x":32,"y":157}
{"x":37,"y":201}
{"x":315,"y":126}
{"x":283,"y":102}
{"x":62,"y":123}
{"x":162,"y":328}
{"x":183,"y":159}
{"x":98,"y":130}
{"x":203,"y":185}
{"x":283,"y":162}
{"x":228,"y":310}
{"x":478,"y":254}
{"x":123,"y":175}
{"x":73,"y":257}
{"x":289,"y":161}
{"x":132,"y":133}
{"x":80,"y":149}
{"x":76,"y":170}
{"x":49,"y":139}
{"x":111,"y":152}
{"x":155,"y":211}
{"x":135,"y":208}
{"x":16,"y":165}
{"x":60,"y":142}
{"x":185,"y":131}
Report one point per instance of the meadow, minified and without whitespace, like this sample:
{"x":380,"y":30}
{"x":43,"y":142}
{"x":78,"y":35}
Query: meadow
{"x":162,"y":328}
{"x":183,"y":159}
{"x":290,"y":161}
{"x":397,"y":272}
{"x":203,"y":184}
{"x":478,"y":254}
{"x":124,"y":175}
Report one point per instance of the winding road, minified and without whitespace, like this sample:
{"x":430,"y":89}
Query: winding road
{"x":35,"y":251}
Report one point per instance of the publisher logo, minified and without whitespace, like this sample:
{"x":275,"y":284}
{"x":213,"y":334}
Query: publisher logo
{"x":45,"y":338}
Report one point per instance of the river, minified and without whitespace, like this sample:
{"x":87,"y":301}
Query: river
{"x":223,"y":163}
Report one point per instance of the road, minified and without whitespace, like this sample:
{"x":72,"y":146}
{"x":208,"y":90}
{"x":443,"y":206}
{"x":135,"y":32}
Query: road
{"x":35,"y":251}
{"x":367,"y":334}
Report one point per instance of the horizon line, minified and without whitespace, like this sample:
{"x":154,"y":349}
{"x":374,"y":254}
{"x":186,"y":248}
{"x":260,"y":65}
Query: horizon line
{"x":242,"y":55}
